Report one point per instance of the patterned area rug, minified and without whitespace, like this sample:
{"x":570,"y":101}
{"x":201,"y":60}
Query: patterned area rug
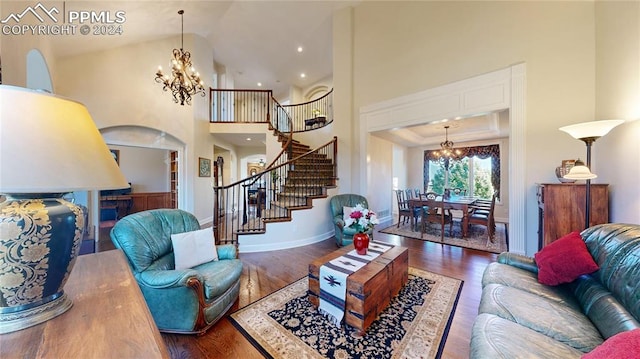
{"x":476,"y":237}
{"x":285,"y":324}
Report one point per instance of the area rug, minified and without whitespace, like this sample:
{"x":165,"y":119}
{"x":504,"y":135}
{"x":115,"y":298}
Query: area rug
{"x":476,"y":236}
{"x":286,"y":325}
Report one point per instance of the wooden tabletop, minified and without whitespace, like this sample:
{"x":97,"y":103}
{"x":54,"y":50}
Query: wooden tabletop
{"x":109,"y":318}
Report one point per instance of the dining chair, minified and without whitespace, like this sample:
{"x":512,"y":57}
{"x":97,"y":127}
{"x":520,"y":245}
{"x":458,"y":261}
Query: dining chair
{"x":459,"y":191}
{"x":409,"y":193}
{"x":429,"y":195}
{"x":484,"y":216}
{"x":482,"y":205}
{"x":404,"y":212}
{"x":436,"y":213}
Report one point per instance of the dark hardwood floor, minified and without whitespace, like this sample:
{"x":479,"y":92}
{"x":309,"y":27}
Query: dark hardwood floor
{"x":267,"y":272}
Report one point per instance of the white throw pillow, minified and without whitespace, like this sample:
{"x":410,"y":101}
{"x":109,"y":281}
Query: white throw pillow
{"x":193,"y":248}
{"x":346,"y":211}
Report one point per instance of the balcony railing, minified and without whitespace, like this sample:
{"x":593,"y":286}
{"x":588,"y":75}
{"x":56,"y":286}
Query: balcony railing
{"x":312,"y":114}
{"x":259,"y":106}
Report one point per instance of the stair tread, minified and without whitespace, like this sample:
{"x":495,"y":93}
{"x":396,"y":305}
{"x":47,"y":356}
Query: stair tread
{"x":308,"y":179}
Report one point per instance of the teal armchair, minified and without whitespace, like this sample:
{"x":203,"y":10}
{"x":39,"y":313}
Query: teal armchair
{"x":185,"y":301}
{"x":344,"y":235}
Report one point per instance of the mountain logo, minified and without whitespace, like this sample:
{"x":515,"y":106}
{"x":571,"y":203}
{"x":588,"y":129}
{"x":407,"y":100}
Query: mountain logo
{"x":36,"y":11}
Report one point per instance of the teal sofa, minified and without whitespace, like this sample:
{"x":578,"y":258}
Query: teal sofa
{"x":185,"y":301}
{"x":521,"y":318}
{"x":344,"y":235}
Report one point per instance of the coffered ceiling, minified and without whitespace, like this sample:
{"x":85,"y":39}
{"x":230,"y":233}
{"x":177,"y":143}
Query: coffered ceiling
{"x":477,"y":128}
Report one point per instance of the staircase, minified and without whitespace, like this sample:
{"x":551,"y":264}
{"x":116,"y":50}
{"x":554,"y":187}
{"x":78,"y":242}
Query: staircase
{"x":290,"y":183}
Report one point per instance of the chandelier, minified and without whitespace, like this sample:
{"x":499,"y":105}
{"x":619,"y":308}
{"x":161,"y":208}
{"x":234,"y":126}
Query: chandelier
{"x":446,"y":148}
{"x":184,"y":81}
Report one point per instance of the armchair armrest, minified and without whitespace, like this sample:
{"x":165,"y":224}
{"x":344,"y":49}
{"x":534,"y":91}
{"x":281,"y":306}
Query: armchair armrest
{"x":518,"y":261}
{"x":227,"y":251}
{"x":338,"y":221}
{"x":164,"y":279}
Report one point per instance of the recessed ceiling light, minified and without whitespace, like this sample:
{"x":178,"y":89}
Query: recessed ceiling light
{"x":248,"y":138}
{"x":303,"y":75}
{"x":259,"y":84}
{"x":299,"y":48}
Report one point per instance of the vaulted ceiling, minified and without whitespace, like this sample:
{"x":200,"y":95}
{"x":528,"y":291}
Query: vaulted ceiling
{"x":258,"y":41}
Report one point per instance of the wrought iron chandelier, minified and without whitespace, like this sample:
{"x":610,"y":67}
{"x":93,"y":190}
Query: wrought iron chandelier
{"x":446,"y":148}
{"x":184,"y":81}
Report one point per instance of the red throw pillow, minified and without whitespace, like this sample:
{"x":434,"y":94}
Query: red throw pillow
{"x":564,"y":260}
{"x":625,"y":345}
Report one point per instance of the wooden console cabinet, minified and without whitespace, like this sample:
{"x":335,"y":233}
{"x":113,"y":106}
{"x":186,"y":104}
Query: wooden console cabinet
{"x":561,"y":208}
{"x":109,"y":317}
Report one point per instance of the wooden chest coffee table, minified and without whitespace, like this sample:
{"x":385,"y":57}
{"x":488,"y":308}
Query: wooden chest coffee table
{"x":370,"y":289}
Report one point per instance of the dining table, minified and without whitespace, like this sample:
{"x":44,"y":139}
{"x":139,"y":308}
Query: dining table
{"x":461,"y":203}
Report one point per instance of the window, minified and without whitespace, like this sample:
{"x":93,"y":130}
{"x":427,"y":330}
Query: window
{"x":476,"y":170}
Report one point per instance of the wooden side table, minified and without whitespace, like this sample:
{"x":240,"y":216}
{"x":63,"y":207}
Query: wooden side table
{"x":109,"y":317}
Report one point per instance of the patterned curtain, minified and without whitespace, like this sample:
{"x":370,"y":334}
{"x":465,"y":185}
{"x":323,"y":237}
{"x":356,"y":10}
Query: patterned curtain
{"x":483,"y":152}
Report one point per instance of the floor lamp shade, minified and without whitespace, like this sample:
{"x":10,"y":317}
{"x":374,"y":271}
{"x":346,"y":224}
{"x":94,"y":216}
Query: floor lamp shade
{"x":49,"y":146}
{"x":588,"y":132}
{"x":592,"y":129}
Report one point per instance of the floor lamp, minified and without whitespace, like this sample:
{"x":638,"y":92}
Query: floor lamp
{"x":588,"y":132}
{"x":49,"y":146}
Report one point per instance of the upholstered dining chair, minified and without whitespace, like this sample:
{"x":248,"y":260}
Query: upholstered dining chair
{"x":182,"y":295}
{"x":344,"y":235}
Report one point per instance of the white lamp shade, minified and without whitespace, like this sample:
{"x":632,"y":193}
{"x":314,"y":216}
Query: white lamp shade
{"x":580,"y":173}
{"x":591,"y":129}
{"x":49,"y":144}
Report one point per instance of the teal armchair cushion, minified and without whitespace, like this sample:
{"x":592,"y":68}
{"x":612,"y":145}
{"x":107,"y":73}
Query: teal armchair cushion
{"x":180,"y":301}
{"x":344,"y":235}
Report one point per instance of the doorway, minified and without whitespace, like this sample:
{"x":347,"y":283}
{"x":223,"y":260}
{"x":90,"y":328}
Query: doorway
{"x":501,"y":90}
{"x":146,"y":152}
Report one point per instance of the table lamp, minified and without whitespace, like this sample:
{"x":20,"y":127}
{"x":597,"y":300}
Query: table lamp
{"x":588,"y":132}
{"x":49,"y":146}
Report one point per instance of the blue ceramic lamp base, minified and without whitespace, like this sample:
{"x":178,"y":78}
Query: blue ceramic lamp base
{"x":40,"y":236}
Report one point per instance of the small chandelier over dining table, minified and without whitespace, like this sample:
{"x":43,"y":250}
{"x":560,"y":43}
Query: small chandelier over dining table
{"x":446,"y":148}
{"x":184,"y":81}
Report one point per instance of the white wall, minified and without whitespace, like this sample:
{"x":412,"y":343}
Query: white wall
{"x":146,"y":169}
{"x":616,"y":156}
{"x":116,"y":97}
{"x":379,"y":170}
{"x":14,"y":49}
{"x":343,"y":109}
{"x":403,"y":48}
